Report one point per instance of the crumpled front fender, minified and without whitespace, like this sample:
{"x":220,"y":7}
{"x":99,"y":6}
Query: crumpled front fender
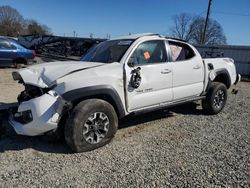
{"x":29,"y":76}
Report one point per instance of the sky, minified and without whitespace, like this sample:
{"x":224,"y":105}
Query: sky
{"x":120,"y":17}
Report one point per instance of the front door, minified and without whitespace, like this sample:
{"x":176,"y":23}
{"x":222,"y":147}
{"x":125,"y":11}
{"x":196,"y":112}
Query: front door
{"x":155,"y":85}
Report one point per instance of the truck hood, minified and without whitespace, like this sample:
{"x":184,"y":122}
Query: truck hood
{"x":45,"y":74}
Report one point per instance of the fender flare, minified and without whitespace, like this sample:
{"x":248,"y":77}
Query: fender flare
{"x":224,"y":72}
{"x":104,"y":92}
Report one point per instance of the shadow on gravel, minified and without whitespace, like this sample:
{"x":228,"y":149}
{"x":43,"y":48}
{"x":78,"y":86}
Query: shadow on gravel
{"x":185,"y":109}
{"x":10,"y":141}
{"x":18,"y":143}
{"x":133,"y":120}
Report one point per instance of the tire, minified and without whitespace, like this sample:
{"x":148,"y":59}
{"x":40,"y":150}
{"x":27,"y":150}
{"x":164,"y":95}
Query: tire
{"x":18,"y":63}
{"x":216,"y":98}
{"x":92,"y":124}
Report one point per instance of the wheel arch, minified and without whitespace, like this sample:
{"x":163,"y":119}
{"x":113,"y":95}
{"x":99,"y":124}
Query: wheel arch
{"x":103,"y":92}
{"x":19,"y":60}
{"x":223,"y":76}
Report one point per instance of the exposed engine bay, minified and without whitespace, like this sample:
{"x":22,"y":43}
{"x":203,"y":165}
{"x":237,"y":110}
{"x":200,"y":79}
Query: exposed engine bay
{"x":31,"y":92}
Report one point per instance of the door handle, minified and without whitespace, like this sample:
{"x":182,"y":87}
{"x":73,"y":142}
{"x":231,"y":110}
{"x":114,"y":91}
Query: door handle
{"x":197,"y":67}
{"x":166,"y":71}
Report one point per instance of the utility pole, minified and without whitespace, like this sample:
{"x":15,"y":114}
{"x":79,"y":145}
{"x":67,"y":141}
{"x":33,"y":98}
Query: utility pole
{"x":206,"y":23}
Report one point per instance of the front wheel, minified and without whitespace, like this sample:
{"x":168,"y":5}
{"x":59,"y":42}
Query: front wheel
{"x":216,"y":98}
{"x":92,"y":124}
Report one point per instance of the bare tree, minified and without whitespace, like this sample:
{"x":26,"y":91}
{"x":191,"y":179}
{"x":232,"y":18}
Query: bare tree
{"x":13,"y":24}
{"x":33,"y":27}
{"x":182,"y":26}
{"x":11,"y":21}
{"x":191,"y":28}
{"x":214,"y":33}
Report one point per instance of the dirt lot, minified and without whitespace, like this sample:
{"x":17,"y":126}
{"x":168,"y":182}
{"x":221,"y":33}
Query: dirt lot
{"x":183,"y":148}
{"x":8,"y":87}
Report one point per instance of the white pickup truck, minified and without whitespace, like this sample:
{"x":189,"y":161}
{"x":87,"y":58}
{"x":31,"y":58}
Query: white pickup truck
{"x":115,"y":78}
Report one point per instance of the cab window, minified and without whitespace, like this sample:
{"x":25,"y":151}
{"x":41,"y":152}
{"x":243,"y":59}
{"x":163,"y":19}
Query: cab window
{"x":150,"y":52}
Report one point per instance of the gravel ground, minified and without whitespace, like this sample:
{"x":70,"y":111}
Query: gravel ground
{"x":183,"y":148}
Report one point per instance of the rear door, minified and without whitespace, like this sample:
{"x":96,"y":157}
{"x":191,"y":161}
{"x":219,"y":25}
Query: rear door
{"x":156,"y":76}
{"x":188,"y":71}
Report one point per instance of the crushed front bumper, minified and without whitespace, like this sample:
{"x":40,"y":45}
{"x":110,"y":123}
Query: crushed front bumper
{"x":44,"y":113}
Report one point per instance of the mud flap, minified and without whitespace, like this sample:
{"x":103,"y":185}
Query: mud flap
{"x":235,"y":91}
{"x":238,"y":79}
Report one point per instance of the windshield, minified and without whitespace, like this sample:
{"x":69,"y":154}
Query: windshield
{"x":108,"y":51}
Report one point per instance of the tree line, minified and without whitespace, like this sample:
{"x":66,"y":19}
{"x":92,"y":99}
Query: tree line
{"x":190,"y":28}
{"x":13,"y":24}
{"x":185,"y":27}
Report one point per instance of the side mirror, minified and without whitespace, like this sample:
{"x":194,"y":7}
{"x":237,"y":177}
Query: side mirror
{"x":135,"y":80}
{"x":131,"y":62}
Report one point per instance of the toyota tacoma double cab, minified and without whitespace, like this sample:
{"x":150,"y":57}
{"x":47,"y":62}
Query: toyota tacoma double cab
{"x":132,"y":74}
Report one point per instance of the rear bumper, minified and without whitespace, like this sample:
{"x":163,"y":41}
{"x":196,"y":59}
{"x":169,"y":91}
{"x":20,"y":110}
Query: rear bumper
{"x":31,"y":61}
{"x":238,"y":78}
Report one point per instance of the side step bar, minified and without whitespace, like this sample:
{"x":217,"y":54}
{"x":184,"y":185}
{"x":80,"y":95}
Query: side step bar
{"x":169,"y":104}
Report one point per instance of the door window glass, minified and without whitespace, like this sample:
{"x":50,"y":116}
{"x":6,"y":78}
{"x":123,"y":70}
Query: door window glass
{"x":5,"y":44}
{"x":180,"y":51}
{"x":150,"y":52}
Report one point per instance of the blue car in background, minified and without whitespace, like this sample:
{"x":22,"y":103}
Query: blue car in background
{"x":12,"y":53}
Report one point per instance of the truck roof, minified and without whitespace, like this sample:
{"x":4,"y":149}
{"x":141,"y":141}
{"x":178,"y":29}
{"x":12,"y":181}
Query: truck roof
{"x":139,"y":35}
{"x":135,"y":36}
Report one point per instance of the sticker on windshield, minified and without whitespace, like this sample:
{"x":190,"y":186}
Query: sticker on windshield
{"x":125,"y":42}
{"x":146,"y":55}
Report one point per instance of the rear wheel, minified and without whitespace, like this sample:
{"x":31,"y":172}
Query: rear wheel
{"x":92,"y":124}
{"x":19,"y":62}
{"x":216,"y":98}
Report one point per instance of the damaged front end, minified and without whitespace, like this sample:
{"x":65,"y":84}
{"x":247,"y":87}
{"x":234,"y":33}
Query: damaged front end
{"x":40,"y":108}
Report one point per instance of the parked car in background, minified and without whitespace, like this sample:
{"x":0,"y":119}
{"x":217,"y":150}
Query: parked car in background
{"x":12,"y":53}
